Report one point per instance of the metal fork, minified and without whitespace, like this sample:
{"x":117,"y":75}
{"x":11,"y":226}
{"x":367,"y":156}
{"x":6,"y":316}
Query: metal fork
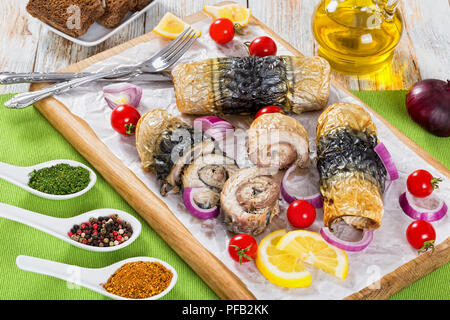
{"x":162,"y":60}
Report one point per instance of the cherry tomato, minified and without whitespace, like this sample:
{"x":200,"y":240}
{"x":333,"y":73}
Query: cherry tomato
{"x":222,"y":30}
{"x":269,"y":109}
{"x":421,"y":183}
{"x":243,"y":248}
{"x":421,"y":235}
{"x":301,"y":214}
{"x":263,"y":46}
{"x":124,"y":119}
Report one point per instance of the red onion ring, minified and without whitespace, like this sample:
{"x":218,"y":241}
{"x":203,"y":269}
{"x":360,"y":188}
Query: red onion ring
{"x":214,"y":126}
{"x":315,"y":199}
{"x":122,"y":93}
{"x":347,"y":245}
{"x":194,"y":209}
{"x":388,"y":163}
{"x":415,"y":212}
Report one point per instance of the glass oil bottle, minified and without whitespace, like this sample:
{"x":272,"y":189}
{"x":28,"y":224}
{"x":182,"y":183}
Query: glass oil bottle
{"x":357,"y":36}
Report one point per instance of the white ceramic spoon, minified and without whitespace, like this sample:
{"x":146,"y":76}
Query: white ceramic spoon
{"x":20,"y":177}
{"x":59,"y":227}
{"x":87,"y":277}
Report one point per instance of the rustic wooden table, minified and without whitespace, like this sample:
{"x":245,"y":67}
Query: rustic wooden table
{"x":423,"y":51}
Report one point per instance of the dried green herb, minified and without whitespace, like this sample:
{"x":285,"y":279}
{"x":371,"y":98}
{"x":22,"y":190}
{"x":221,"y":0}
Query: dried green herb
{"x":60,"y":179}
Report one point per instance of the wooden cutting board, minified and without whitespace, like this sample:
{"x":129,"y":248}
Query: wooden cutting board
{"x":153,"y":210}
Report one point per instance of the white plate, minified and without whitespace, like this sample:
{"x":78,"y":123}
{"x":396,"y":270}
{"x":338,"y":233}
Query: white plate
{"x":98,"y":33}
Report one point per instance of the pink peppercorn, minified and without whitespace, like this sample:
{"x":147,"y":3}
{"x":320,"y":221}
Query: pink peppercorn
{"x":95,"y":226}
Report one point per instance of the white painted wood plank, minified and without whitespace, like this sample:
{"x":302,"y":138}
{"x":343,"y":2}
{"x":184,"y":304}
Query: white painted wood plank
{"x":291,"y":19}
{"x":429,"y":27}
{"x":19,"y":37}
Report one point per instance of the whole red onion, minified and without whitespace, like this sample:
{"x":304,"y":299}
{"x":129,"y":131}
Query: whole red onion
{"x":428,"y":104}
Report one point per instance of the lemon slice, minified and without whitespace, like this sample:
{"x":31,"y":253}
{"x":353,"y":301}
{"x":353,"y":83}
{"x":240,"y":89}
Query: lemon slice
{"x":278,"y":266}
{"x":234,"y":12}
{"x":171,"y":26}
{"x":310,"y":248}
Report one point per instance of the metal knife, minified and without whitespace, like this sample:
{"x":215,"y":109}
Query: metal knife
{"x":31,"y":77}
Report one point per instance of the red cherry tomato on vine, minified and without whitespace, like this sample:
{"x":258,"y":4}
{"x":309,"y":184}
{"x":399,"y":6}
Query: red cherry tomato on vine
{"x":243,"y":248}
{"x":421,"y":183}
{"x":263,"y":46}
{"x":301,"y":214}
{"x":124,"y":119}
{"x":222,"y":30}
{"x":421,"y":235}
{"x":269,"y":109}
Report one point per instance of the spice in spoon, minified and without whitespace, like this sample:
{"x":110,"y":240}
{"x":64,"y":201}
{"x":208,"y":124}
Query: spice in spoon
{"x":60,"y":179}
{"x":139,"y":280}
{"x":107,"y":231}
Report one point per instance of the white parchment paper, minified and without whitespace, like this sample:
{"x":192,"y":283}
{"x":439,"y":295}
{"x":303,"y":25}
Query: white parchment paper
{"x":388,"y":250}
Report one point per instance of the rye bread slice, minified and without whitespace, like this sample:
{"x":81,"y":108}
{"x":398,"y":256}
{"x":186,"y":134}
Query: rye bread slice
{"x":73,"y":17}
{"x":141,"y":4}
{"x":115,"y":11}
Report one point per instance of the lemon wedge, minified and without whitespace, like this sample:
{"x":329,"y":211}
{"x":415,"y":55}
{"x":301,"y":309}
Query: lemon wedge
{"x":171,"y":26}
{"x":235,"y":12}
{"x":310,"y":248}
{"x":278,"y":266}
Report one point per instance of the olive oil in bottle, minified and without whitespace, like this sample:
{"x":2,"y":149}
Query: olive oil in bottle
{"x":357,"y":36}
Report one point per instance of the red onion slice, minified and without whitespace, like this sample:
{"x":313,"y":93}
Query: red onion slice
{"x":430,"y":208}
{"x":347,"y":245}
{"x":386,"y":158}
{"x":214,"y":126}
{"x":117,"y":94}
{"x":315,"y":199}
{"x":194,"y":209}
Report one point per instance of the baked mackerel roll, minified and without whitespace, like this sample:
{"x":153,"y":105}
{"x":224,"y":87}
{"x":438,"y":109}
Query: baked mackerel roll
{"x":249,"y":200}
{"x":208,"y":173}
{"x":242,"y":85}
{"x":182,"y":158}
{"x":352,"y":176}
{"x":278,"y":141}
{"x":166,"y":145}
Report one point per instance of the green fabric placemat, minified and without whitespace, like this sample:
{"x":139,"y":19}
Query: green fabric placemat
{"x":26,"y":138}
{"x":391,"y":106}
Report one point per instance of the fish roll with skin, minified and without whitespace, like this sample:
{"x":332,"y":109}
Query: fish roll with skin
{"x":352,"y":176}
{"x":243,"y":85}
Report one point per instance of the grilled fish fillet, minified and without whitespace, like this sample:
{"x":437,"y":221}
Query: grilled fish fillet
{"x":352,"y":175}
{"x":242,"y":85}
{"x":278,"y":140}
